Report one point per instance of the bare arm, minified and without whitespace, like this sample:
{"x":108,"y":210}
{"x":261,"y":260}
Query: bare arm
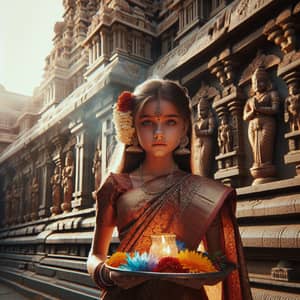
{"x":101,"y":239}
{"x":248,"y":111}
{"x":273,"y":108}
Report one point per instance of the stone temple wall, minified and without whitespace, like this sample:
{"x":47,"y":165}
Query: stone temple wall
{"x":240,"y":62}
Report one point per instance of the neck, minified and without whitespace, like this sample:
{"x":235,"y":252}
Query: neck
{"x":156,"y":166}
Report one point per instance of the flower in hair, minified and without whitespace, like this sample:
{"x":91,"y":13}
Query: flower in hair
{"x":125,"y":101}
{"x":123,"y":119}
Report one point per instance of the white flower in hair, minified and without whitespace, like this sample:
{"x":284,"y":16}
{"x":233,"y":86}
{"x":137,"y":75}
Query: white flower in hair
{"x":123,"y":119}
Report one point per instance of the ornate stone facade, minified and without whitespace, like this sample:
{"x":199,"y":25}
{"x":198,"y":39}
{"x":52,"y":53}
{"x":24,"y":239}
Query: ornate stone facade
{"x":57,"y":159}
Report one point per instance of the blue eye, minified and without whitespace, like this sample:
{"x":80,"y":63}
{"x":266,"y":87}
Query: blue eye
{"x":171,"y":122}
{"x":146,"y":123}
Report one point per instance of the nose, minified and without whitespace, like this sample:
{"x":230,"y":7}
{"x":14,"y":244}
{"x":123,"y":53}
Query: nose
{"x":158,"y":136}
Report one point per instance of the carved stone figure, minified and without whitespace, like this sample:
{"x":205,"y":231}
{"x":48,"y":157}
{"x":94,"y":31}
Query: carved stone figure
{"x":8,"y":204}
{"x":259,"y":111}
{"x":224,"y":136}
{"x":14,"y":203}
{"x":292,"y":107}
{"x":204,"y":128}
{"x":56,"y":192}
{"x":96,"y":169}
{"x":34,"y":198}
{"x":67,"y":181}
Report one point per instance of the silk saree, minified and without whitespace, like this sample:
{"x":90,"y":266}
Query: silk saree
{"x":179,"y":203}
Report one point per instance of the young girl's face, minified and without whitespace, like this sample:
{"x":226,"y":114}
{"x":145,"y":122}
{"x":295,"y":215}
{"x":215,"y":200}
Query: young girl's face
{"x":159,"y":128}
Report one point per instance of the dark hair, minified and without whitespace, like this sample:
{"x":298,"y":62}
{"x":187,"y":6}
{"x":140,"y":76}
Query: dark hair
{"x":167,"y":90}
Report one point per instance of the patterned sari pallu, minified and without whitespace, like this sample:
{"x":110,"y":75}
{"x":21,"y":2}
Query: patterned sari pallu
{"x":185,"y":205}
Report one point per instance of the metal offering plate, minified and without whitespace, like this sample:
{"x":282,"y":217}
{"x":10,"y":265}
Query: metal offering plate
{"x":156,"y":275}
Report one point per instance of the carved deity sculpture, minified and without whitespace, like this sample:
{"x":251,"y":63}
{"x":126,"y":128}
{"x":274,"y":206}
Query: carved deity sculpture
{"x":260,"y":111}
{"x":8,"y":204}
{"x":292,"y":107}
{"x":204,"y":128}
{"x":34,"y":198}
{"x":224,"y":136}
{"x":96,"y":169}
{"x":14,"y":203}
{"x":56,"y":192}
{"x":67,"y":181}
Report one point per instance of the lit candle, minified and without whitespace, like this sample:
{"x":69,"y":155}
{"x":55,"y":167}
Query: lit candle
{"x":163,"y":245}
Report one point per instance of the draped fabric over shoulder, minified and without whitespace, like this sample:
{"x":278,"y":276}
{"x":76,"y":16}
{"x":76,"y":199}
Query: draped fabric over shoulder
{"x":186,"y":205}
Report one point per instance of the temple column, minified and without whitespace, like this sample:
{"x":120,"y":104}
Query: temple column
{"x":83,"y":161}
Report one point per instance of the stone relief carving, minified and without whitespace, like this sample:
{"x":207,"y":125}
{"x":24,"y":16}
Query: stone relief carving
{"x":224,"y":135}
{"x":8,"y":203}
{"x":292,"y":107}
{"x":55,"y":182}
{"x":259,"y":111}
{"x":67,"y":181}
{"x":14,"y":202}
{"x":96,"y":169}
{"x":34,"y":198}
{"x":203,"y":127}
{"x":267,"y":61}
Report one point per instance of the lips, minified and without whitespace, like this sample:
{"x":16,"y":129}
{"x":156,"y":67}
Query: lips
{"x":159,"y":144}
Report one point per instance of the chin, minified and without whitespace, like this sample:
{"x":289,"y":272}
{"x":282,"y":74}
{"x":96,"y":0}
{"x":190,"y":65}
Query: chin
{"x":160,"y":154}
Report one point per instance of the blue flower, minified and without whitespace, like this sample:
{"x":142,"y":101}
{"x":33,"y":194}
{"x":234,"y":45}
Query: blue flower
{"x":139,"y":262}
{"x":180,"y":245}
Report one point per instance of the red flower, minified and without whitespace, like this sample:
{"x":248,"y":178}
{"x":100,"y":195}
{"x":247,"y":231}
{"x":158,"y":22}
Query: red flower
{"x":125,"y":103}
{"x":169,"y":265}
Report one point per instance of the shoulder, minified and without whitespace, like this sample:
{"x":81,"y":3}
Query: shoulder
{"x":119,"y":181}
{"x":208,"y":187}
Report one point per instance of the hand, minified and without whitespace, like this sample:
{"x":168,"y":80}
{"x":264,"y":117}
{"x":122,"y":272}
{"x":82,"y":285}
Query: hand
{"x":126,"y":282}
{"x":196,"y":283}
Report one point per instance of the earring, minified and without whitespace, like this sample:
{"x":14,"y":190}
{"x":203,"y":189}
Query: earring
{"x":135,"y":147}
{"x":182,"y":150}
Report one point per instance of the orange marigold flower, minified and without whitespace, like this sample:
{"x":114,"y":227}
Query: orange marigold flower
{"x":125,"y":102}
{"x":117,"y":259}
{"x":195,"y":262}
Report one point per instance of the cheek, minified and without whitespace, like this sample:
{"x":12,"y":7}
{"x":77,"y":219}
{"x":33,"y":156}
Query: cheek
{"x":144,"y":135}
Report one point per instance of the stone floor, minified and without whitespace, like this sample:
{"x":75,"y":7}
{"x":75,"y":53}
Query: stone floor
{"x":7,"y":293}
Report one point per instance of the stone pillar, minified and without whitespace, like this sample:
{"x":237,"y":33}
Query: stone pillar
{"x":45,"y":194}
{"x":83,"y":161}
{"x":105,"y":48}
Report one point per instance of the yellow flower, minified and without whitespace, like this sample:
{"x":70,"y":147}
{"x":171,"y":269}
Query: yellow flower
{"x":195,"y":262}
{"x":117,"y":259}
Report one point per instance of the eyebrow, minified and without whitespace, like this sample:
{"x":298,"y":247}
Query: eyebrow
{"x":164,"y":116}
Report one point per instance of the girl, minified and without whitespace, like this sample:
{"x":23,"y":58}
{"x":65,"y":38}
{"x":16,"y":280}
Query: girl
{"x":153,"y":192}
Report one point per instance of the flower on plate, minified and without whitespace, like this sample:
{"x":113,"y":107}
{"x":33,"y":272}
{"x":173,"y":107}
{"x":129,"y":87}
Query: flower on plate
{"x":195,"y":262}
{"x":139,"y":262}
{"x":117,"y":259}
{"x":169,"y":264}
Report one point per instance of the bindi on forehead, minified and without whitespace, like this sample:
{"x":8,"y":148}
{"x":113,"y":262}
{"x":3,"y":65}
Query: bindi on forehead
{"x":153,"y":108}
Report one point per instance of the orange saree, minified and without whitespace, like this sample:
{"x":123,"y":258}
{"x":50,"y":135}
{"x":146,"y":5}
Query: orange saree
{"x":185,"y":205}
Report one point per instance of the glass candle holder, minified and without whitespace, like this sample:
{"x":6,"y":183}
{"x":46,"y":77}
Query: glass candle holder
{"x":163,"y":245}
